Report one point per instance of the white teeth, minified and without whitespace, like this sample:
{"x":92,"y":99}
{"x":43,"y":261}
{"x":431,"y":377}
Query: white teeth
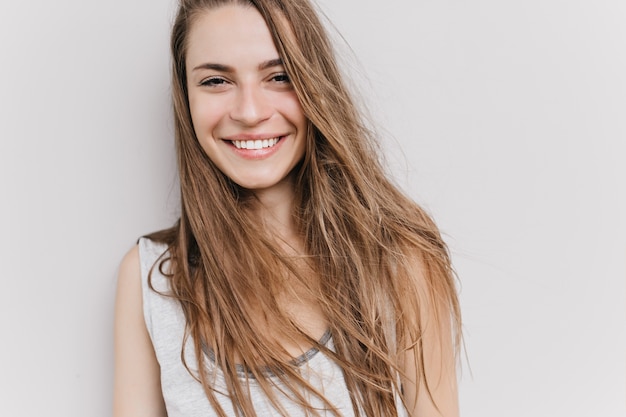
{"x":255,"y":144}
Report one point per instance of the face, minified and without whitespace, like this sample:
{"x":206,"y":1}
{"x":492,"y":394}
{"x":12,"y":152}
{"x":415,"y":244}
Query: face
{"x":244,"y":109}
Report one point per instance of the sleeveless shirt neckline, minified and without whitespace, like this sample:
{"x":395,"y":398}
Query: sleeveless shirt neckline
{"x":242,"y":372}
{"x":185,"y":397}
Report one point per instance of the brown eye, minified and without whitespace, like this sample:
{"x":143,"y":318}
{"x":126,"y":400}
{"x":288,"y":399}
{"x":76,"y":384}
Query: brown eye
{"x":281,"y":78}
{"x":213,"y":82}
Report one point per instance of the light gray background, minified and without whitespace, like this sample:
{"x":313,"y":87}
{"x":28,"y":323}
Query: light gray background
{"x":506,"y":119}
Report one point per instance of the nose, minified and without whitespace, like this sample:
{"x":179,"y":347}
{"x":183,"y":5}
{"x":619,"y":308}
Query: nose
{"x":251,"y":106}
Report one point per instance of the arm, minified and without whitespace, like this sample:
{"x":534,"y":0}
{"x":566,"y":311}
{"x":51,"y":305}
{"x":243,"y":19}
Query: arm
{"x":439,"y":362}
{"x":137,"y":385}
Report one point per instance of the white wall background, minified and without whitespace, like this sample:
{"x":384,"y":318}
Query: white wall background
{"x":507,"y":119}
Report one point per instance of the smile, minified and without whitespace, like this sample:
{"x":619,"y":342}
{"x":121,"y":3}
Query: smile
{"x":255,"y":144}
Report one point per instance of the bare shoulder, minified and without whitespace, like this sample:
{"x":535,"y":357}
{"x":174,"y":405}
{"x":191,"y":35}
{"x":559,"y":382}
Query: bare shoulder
{"x":137,"y":386}
{"x":128,"y":302}
{"x":429,"y":369}
{"x":130,"y":269}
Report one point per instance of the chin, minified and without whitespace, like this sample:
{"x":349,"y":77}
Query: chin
{"x":269,"y":184}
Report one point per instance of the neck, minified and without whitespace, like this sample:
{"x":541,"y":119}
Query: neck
{"x":275,"y":210}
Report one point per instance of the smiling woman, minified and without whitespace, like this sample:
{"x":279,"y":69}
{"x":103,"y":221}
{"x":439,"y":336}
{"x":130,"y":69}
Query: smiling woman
{"x":245,"y":112}
{"x":298,"y":280}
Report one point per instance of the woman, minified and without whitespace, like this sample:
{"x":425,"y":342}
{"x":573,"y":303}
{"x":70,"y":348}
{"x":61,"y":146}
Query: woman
{"x":298,"y":280}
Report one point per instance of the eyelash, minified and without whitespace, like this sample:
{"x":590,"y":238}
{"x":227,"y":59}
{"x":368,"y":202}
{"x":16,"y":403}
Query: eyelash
{"x":284,"y":78}
{"x":281,"y":78}
{"x":213,"y":82}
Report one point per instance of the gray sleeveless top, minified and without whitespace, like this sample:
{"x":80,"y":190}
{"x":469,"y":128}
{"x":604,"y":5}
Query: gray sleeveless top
{"x":184,"y":396}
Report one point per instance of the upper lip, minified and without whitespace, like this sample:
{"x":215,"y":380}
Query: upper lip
{"x":253,"y":136}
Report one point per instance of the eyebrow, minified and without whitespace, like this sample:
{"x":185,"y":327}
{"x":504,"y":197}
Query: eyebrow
{"x":225,"y":68}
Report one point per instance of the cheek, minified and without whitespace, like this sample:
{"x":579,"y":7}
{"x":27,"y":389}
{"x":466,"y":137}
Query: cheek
{"x":204,"y":120}
{"x":205,"y":115}
{"x":293,"y":110}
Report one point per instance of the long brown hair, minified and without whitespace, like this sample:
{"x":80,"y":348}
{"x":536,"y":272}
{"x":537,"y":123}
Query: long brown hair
{"x":362,"y":238}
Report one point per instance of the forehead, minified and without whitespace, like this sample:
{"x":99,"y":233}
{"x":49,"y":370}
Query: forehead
{"x":229,"y":35}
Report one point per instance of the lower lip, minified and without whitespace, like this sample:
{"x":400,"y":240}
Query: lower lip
{"x":254,"y":154}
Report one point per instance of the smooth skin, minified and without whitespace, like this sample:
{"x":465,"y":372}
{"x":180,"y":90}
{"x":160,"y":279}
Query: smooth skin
{"x":439,"y":363}
{"x":137,"y":381}
{"x":238,"y":90}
